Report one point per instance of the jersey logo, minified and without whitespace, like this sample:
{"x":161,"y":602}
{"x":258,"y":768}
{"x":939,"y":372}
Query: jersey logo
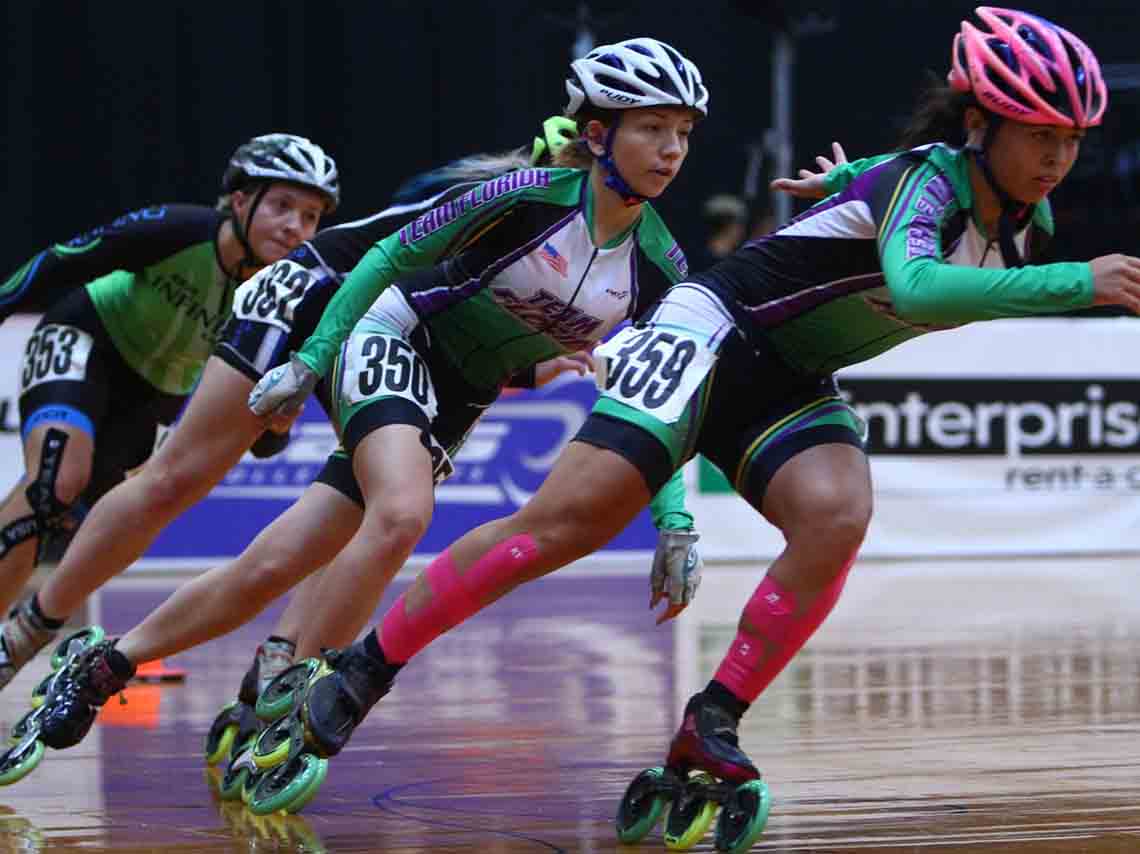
{"x":678,"y":258}
{"x":550,"y":255}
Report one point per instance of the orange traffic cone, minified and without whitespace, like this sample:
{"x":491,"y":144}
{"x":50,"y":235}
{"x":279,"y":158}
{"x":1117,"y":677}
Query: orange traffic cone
{"x":157,"y":671}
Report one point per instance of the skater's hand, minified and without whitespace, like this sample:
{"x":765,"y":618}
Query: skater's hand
{"x":810,"y":185}
{"x":1116,"y":281}
{"x":283,"y":391}
{"x":581,"y":362}
{"x":676,"y":571}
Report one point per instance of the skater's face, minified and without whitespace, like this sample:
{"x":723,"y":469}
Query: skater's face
{"x":649,"y":146}
{"x":287,"y":216}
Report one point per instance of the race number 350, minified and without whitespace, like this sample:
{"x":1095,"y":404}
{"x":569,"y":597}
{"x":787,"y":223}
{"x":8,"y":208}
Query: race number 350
{"x":386,"y":366}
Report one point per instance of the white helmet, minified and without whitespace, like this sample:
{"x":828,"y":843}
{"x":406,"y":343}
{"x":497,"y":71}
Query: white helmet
{"x":284,"y":157}
{"x":640,"y":72}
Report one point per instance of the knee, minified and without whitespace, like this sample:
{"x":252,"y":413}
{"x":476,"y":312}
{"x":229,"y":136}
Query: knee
{"x":396,"y":531}
{"x":169,"y":483}
{"x":833,"y":518}
{"x":52,"y":495}
{"x":572,"y":532}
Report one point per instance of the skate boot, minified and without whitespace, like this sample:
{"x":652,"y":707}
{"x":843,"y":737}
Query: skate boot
{"x":237,"y":723}
{"x":71,"y":699}
{"x":705,"y":769}
{"x":21,"y":637}
{"x":325,"y":699}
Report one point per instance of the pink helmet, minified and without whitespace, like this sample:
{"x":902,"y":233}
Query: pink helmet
{"x":1029,"y":70}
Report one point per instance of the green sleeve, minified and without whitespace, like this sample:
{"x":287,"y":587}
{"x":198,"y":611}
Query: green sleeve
{"x":836,"y":180}
{"x":926,"y":289}
{"x":420,"y":243}
{"x":668,"y":505}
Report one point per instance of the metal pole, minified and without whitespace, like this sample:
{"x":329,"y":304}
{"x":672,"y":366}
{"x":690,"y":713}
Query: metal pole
{"x":780,"y":139}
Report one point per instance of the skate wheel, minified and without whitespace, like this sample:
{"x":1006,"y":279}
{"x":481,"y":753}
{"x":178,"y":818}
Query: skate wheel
{"x":76,"y":642}
{"x":289,"y":787}
{"x":743,"y":818}
{"x":690,"y":815}
{"x":20,"y":729}
{"x":283,"y":691}
{"x":250,"y":784}
{"x":223,"y":732}
{"x":233,"y":781}
{"x":640,"y":806}
{"x":39,"y":693}
{"x":277,"y":741}
{"x":18,"y":762}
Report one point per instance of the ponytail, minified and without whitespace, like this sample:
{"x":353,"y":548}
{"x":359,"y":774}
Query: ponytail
{"x":939,"y":117}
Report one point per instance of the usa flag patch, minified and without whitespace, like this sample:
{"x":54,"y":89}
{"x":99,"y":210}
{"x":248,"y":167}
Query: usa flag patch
{"x":550,"y":255}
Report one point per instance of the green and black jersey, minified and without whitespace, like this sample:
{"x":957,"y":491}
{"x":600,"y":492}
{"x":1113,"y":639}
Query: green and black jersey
{"x":154,"y":278}
{"x":515,"y":275}
{"x":894,"y":253}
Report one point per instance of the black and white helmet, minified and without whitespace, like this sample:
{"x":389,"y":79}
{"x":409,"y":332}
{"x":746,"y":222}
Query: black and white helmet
{"x":641,"y":72}
{"x":284,"y":157}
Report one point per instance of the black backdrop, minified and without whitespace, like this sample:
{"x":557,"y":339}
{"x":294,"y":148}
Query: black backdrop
{"x":115,"y":105}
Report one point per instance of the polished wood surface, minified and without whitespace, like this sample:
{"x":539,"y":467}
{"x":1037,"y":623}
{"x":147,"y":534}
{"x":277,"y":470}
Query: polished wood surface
{"x":945,"y":707}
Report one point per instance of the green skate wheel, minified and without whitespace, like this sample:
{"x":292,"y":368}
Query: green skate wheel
{"x":39,"y":693}
{"x":743,"y":818}
{"x":233,"y":781}
{"x":223,"y":732}
{"x":278,"y":742}
{"x":82,"y":639}
{"x":20,"y":729}
{"x":690,"y":816}
{"x":640,"y":806}
{"x":286,"y":689}
{"x":250,"y":784}
{"x":18,"y":762}
{"x":289,"y":787}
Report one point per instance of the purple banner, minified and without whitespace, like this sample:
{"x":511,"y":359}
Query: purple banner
{"x":504,"y":460}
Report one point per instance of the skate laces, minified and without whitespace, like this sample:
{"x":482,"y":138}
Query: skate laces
{"x":712,"y":720}
{"x":273,"y":658}
{"x":364,"y":679}
{"x":22,"y":637}
{"x":92,"y":680}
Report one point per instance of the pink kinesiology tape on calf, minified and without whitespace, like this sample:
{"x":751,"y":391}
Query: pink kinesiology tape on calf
{"x":777,"y":633}
{"x":455,"y":596}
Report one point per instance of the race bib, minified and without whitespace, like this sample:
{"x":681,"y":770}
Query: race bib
{"x":55,"y":353}
{"x":273,"y":294}
{"x":654,"y":370}
{"x":379,"y":365}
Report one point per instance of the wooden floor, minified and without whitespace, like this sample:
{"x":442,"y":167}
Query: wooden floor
{"x":946,"y":707}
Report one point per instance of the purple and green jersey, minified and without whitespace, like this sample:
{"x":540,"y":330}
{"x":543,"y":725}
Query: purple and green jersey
{"x":895,"y":252}
{"x":514,"y":276}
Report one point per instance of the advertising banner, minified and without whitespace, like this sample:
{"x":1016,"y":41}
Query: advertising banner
{"x":1007,"y":437}
{"x":508,"y":454}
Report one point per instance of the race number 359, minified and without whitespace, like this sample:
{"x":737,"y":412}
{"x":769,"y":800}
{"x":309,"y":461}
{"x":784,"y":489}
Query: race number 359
{"x":654,"y":370}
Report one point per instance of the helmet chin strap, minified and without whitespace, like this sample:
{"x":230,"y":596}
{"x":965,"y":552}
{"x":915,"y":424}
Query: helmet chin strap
{"x":614,"y":180}
{"x":1012,"y":211}
{"x":241,"y":231}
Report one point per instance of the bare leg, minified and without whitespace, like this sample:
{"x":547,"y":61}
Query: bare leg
{"x":187,"y":466}
{"x":821,"y":501}
{"x":394,"y":473}
{"x":299,"y":541}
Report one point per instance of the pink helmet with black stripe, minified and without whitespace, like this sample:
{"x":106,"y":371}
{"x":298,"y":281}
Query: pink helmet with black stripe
{"x":1029,"y":70}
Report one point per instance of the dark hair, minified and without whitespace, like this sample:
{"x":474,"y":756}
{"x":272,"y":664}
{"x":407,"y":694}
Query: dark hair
{"x":939,"y":117}
{"x":577,"y":155}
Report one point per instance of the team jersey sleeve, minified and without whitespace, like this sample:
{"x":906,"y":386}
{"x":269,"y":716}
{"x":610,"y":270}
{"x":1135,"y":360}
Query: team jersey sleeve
{"x":668,"y":506}
{"x":132,"y":242}
{"x":909,"y":204}
{"x":442,"y":231}
{"x":838,"y":178}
